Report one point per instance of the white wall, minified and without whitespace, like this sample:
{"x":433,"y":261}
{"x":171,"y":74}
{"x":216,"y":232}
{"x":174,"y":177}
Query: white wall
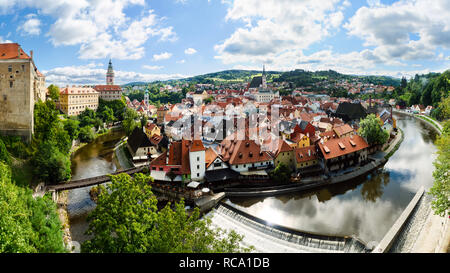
{"x":197,"y":164}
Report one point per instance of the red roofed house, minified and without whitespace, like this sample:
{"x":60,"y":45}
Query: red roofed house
{"x":244,"y":156}
{"x":186,"y":159}
{"x":341,"y":153}
{"x":306,"y":157}
{"x":21,"y":85}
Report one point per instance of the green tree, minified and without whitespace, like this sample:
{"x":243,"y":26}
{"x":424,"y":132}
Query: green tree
{"x":45,"y":118}
{"x":54,"y":91}
{"x":4,"y":155}
{"x":371,"y":130}
{"x":86,"y":134}
{"x":50,"y":165}
{"x":72,"y":128}
{"x":129,"y":122}
{"x":441,"y":187}
{"x":126,"y":220}
{"x":281,"y":174}
{"x":28,"y":225}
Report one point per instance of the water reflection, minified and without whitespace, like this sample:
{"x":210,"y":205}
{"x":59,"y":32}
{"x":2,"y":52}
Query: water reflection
{"x":365,"y":207}
{"x":96,"y":158}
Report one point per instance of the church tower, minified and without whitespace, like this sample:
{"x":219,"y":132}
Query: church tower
{"x":110,"y":74}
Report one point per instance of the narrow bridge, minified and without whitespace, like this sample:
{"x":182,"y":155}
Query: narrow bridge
{"x":70,"y":185}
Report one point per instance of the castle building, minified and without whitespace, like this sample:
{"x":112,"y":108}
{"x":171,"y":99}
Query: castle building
{"x":21,"y":85}
{"x":110,"y":74}
{"x":110,"y":91}
{"x":259,"y":90}
{"x":74,"y":100}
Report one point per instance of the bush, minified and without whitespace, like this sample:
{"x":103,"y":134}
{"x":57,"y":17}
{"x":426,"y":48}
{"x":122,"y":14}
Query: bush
{"x":50,"y":165}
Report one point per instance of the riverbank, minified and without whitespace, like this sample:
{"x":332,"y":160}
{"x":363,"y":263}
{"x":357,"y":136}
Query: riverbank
{"x":427,"y":232}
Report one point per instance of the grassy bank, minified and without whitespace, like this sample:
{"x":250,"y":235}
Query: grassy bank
{"x":397,"y":145}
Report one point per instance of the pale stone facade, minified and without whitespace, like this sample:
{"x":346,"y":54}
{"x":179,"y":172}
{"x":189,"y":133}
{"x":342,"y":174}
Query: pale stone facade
{"x":20,"y":87}
{"x":74,"y":100}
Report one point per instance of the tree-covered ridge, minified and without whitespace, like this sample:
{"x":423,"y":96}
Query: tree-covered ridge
{"x":298,"y":77}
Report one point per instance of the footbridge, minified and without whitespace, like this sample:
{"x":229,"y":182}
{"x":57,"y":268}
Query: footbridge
{"x":75,"y":184}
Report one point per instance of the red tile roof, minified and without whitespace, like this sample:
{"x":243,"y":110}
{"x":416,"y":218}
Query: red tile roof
{"x":343,"y":129}
{"x":196,"y":146}
{"x":12,"y":51}
{"x":242,"y":151}
{"x":305,"y":154}
{"x":332,"y":148}
{"x":101,"y":88}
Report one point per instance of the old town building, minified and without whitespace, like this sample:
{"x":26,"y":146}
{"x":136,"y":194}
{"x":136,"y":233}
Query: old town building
{"x":74,"y":100}
{"x":21,"y":85}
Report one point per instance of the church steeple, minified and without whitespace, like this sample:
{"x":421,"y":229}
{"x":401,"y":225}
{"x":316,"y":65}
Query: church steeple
{"x":110,"y":74}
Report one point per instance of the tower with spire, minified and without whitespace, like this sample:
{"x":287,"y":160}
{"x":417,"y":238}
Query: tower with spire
{"x":263,"y":80}
{"x":110,"y":74}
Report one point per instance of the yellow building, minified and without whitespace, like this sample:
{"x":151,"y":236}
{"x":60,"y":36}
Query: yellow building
{"x":284,"y":154}
{"x":300,"y":140}
{"x":74,"y":100}
{"x":152,"y":129}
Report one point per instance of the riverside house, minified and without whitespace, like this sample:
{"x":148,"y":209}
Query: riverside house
{"x":341,"y":153}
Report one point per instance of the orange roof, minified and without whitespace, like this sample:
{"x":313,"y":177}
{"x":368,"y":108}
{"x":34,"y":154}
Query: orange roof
{"x":305,"y":154}
{"x":12,"y":51}
{"x":282,"y":147}
{"x":196,"y":146}
{"x":242,"y":151}
{"x":100,"y":88}
{"x":210,"y":156}
{"x":342,"y":146}
{"x":343,"y":129}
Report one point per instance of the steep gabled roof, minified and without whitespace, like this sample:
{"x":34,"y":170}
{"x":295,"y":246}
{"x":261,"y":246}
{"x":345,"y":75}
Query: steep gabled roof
{"x":138,"y":139}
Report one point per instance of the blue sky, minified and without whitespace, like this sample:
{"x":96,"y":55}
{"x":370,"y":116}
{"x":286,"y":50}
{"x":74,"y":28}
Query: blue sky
{"x":150,"y":40}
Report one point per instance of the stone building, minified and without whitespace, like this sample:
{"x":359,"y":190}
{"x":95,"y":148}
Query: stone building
{"x":21,"y":85}
{"x":74,"y":100}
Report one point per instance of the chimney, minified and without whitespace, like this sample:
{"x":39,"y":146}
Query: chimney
{"x":31,"y":54}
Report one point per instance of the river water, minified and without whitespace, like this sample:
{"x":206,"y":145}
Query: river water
{"x":94,"y":159}
{"x":366,"y":207}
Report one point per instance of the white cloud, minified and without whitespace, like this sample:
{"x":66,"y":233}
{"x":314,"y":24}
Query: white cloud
{"x":152,"y":67}
{"x":32,"y":26}
{"x":100,"y":28}
{"x":162,"y":56}
{"x":181,"y":61}
{"x":404,"y":30}
{"x":190,"y":51}
{"x":91,"y":74}
{"x":274,"y":28}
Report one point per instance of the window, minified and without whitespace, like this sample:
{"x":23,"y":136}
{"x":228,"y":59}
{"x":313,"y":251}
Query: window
{"x":217,"y":164}
{"x":198,"y":167}
{"x":198,"y":158}
{"x":9,"y":68}
{"x":198,"y":175}
{"x":11,"y":84}
{"x":23,"y":67}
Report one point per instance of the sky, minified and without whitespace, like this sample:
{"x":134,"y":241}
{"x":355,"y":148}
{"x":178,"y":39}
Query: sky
{"x":150,"y":40}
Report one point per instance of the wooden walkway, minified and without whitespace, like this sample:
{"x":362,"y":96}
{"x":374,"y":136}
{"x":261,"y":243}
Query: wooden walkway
{"x":70,"y":185}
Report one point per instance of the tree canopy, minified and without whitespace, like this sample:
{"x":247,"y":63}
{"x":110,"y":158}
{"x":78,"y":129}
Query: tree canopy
{"x":371,"y":130}
{"x":28,"y":225}
{"x":126,"y":220}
